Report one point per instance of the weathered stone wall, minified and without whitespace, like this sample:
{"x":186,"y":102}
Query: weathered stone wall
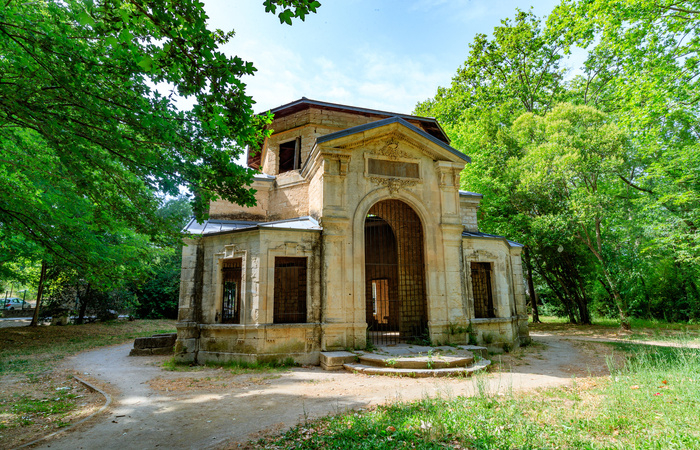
{"x":290,"y":198}
{"x":208,"y":339}
{"x":224,"y":210}
{"x":468,"y":208}
{"x":510,"y":324}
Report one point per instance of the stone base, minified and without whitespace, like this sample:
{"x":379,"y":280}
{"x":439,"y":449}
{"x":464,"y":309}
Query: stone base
{"x":309,"y":359}
{"x":336,"y":360}
{"x":158,"y":344}
{"x":151,"y":351}
{"x":419,"y":373}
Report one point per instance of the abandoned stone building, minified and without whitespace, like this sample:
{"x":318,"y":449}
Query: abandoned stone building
{"x":360,"y":233}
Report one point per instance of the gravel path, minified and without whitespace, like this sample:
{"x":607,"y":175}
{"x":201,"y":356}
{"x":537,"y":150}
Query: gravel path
{"x":154,"y":408}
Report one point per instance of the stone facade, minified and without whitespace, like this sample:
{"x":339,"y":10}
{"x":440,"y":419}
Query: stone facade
{"x":331,"y":176}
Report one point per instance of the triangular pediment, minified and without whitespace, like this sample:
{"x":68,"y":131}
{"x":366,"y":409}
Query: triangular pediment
{"x":395,"y":130}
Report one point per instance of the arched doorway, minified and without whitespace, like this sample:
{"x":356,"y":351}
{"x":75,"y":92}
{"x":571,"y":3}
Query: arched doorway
{"x":396,"y":306}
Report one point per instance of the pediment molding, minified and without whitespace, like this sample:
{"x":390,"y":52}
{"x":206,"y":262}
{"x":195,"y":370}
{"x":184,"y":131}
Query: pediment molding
{"x":395,"y":146}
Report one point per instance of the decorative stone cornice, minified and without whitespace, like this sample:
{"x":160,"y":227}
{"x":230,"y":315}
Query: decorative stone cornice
{"x":231,"y":250}
{"x":448,"y":174}
{"x":394,"y":184}
{"x":399,"y":138}
{"x":391,"y":150}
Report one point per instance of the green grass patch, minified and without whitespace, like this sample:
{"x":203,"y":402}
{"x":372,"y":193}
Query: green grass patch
{"x":31,"y":350}
{"x":26,"y":409}
{"x":651,"y":402}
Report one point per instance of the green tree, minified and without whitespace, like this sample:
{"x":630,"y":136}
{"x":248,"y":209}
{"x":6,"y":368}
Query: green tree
{"x":575,"y":154}
{"x":648,"y":55}
{"x":75,"y":79}
{"x":516,"y":71}
{"x":88,"y":146}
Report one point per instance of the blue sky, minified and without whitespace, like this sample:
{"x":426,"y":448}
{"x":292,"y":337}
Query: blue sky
{"x":386,"y":55}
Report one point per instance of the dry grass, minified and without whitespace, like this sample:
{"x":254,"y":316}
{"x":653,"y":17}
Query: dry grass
{"x":37,"y":395}
{"x":642,"y":330}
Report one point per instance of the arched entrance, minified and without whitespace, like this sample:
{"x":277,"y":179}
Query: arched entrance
{"x":396,"y":306}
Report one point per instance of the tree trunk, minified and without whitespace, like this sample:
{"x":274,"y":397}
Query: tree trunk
{"x":647,"y":297}
{"x":531,"y":288}
{"x":562,"y":298}
{"x":83,"y":305}
{"x":619,"y":302}
{"x":598,"y":253}
{"x":42,"y":280}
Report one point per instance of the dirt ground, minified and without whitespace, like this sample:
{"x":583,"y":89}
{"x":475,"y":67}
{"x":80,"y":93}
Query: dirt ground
{"x":213,"y":408}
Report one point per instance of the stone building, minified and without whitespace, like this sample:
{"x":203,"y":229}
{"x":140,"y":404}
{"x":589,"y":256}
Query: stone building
{"x":360,"y":233}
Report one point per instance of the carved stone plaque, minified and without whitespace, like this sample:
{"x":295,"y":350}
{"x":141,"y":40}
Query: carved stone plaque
{"x":386,"y":168}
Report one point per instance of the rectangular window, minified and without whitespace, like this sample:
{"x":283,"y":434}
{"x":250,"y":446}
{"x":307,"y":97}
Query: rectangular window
{"x":483,"y":294}
{"x":290,"y":290}
{"x":289,"y":155}
{"x":231,"y":304}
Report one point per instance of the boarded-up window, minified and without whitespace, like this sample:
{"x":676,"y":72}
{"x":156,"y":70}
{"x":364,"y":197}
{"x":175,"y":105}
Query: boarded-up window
{"x":290,"y":290}
{"x":289,"y":155}
{"x":231,"y":304}
{"x":483,"y":294}
{"x":392,"y":168}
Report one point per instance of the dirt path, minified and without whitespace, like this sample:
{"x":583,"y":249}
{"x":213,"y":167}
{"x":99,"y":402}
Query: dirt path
{"x":154,"y":408}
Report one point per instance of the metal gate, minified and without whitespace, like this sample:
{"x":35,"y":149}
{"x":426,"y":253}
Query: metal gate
{"x":396,"y":308}
{"x":231,"y":305}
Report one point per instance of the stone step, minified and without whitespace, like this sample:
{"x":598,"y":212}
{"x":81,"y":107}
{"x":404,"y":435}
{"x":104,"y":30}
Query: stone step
{"x":476,"y":349}
{"x":419,"y":361}
{"x":418,"y":373}
{"x":335,"y":360}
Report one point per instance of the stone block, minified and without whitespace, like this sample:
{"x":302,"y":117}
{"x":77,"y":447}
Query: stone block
{"x":155,"y":341}
{"x":335,"y":360}
{"x":140,"y":352}
{"x":162,"y":350}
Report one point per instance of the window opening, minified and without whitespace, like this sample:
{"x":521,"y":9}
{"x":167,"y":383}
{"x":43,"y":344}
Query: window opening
{"x":483,"y":293}
{"x":289,"y":155}
{"x":231,"y":304}
{"x":380,"y":300}
{"x":290,"y":290}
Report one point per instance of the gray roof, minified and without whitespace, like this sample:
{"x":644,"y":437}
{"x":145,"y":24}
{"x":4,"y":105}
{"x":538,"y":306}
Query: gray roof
{"x":479,"y":234}
{"x":390,"y":120}
{"x":212,"y":227}
{"x":470,"y":194}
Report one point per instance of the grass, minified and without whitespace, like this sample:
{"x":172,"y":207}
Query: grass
{"x":235,"y":367}
{"x":31,"y":350}
{"x":36,"y":396}
{"x":649,"y":402}
{"x":642,"y":329}
{"x":26,"y":408}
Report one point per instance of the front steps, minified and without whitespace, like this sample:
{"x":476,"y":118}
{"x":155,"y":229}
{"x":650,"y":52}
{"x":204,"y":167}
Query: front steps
{"x":410,"y":360}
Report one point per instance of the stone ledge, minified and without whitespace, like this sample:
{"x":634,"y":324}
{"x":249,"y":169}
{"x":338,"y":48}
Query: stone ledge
{"x":417,"y":362}
{"x":151,"y":351}
{"x":418,"y":373}
{"x":336,"y":360}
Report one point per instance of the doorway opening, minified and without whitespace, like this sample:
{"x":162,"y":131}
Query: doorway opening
{"x":396,"y":305}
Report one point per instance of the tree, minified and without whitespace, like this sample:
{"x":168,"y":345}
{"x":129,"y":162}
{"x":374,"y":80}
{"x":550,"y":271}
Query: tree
{"x":575,"y":154}
{"x":75,"y":90}
{"x":516,"y":71}
{"x":648,"y":54}
{"x":88,"y":147}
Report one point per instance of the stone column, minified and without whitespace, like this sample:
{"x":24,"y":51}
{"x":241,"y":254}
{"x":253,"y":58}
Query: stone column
{"x":190,"y":304}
